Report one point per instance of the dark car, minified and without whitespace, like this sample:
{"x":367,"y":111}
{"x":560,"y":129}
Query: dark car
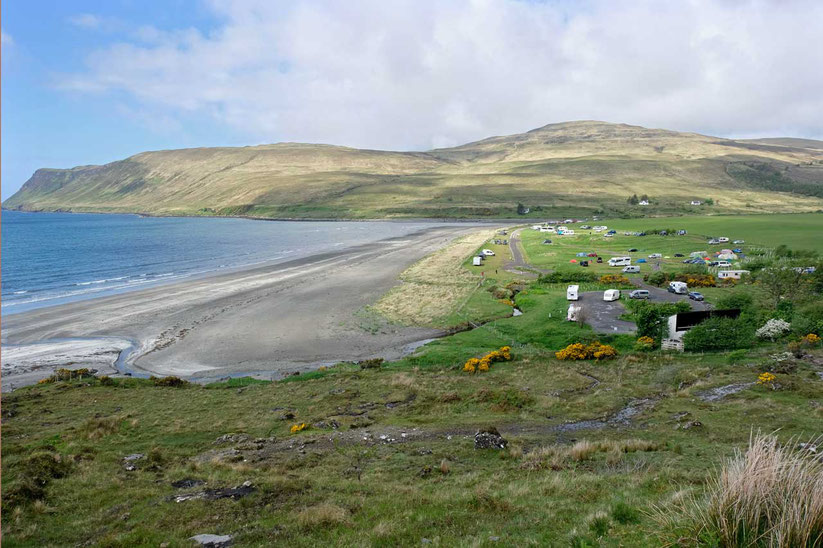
{"x":639,"y":294}
{"x":633,"y":250}
{"x":600,"y":259}
{"x":679,"y":255}
{"x":584,"y":263}
{"x":695,"y":296}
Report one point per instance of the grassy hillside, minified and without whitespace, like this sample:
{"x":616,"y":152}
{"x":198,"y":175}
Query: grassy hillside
{"x":584,"y":165}
{"x":614,"y":452}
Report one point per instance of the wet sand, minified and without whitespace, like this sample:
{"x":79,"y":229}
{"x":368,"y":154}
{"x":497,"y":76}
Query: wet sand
{"x":268,"y":321}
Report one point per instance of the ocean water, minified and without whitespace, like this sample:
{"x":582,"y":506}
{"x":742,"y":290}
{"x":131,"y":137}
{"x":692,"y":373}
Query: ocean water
{"x":52,"y":258}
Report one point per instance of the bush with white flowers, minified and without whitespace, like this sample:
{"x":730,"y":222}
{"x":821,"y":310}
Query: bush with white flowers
{"x":773,"y":329}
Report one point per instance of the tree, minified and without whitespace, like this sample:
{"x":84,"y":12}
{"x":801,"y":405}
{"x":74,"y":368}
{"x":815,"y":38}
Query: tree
{"x":633,"y":200}
{"x":780,"y":282}
{"x":709,"y":201}
{"x":521,"y":209}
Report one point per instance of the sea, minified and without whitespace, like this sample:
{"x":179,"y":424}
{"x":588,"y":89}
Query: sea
{"x":54,"y":258}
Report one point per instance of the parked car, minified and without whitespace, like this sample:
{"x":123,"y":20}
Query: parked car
{"x":609,"y":235}
{"x":612,"y":232}
{"x":585,"y":227}
{"x":488,"y":252}
{"x":696,"y":296}
{"x":679,"y":255}
{"x":584,"y":263}
{"x":600,"y":260}
{"x":713,"y":242}
{"x":547,"y":241}
{"x":631,"y":269}
{"x":738,"y":242}
{"x":633,"y":250}
{"x":639,"y":294}
{"x":656,"y":256}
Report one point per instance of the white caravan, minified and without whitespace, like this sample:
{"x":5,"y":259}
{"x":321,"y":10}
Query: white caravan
{"x":572,"y":293}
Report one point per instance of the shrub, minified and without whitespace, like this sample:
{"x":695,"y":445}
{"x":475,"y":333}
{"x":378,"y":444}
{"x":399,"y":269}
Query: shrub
{"x":174,"y":382}
{"x":810,"y":340}
{"x":580,"y":351}
{"x":771,"y":495}
{"x":740,"y":301}
{"x":767,"y":379}
{"x":625,"y":514}
{"x":473,"y":365}
{"x":615,"y":279}
{"x":34,"y":474}
{"x":373,"y":363}
{"x":644,"y":344}
{"x":809,"y":318}
{"x":657,"y":278}
{"x":567,"y":276}
{"x":773,"y":329}
{"x":299,"y":427}
{"x":717,"y":334}
{"x":650,"y":318}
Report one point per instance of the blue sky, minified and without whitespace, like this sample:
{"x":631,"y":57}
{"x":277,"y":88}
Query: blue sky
{"x":92,"y":82}
{"x":46,"y":126}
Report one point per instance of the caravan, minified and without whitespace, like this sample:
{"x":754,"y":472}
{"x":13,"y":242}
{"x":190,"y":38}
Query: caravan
{"x":572,"y":293}
{"x":620,"y":261}
{"x":611,"y":295}
{"x":477,"y":260}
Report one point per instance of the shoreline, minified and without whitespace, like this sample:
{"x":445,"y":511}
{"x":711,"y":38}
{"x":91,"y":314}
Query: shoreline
{"x":270,"y":319}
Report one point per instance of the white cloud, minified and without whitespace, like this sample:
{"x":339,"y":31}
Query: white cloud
{"x":5,"y":39}
{"x":86,"y":20}
{"x":422,"y":73}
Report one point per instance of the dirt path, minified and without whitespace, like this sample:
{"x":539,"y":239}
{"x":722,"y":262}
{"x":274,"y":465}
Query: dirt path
{"x":518,"y":265}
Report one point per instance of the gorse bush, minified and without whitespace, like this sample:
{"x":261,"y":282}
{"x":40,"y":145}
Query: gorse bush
{"x":580,"y":351}
{"x":474,"y":365}
{"x":614,"y":279}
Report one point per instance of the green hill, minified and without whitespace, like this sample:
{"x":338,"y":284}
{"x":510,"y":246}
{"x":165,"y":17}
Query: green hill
{"x":574,"y":166}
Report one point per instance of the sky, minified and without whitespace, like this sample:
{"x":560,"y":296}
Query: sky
{"x":89,"y":82}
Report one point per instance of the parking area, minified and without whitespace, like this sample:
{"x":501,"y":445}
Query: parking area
{"x":604,"y":316}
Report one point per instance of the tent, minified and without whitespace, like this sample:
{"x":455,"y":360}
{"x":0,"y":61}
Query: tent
{"x":573,"y":261}
{"x":640,"y":261}
{"x":582,"y":254}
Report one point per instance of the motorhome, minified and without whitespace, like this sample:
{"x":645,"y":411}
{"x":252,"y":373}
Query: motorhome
{"x":680,"y":288}
{"x":574,"y":313}
{"x":620,"y":261}
{"x":477,"y":261}
{"x":572,"y":293}
{"x":611,"y":295}
{"x":731,"y":274}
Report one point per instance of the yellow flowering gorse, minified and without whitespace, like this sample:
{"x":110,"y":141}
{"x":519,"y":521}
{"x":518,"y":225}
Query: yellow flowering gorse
{"x":473,"y":365}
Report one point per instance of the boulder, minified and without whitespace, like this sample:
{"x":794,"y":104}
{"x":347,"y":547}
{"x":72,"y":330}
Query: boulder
{"x":212,"y":541}
{"x":489,"y":438}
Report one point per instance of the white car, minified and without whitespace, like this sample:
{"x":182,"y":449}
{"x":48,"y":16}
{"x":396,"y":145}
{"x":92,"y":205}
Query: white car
{"x":655,"y":256}
{"x":488,"y":253}
{"x":738,"y":242}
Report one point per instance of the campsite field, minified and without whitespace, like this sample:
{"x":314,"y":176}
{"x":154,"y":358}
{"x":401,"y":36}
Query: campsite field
{"x":600,"y":453}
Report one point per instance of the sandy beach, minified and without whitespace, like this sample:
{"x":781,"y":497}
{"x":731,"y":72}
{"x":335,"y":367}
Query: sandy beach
{"x":268,"y":321}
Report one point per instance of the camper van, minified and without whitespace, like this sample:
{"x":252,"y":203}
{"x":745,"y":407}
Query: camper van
{"x":680,"y":288}
{"x":620,"y":261}
{"x":574,"y":313}
{"x":571,"y":293}
{"x":611,"y":295}
{"x":723,"y":264}
{"x":477,"y":261}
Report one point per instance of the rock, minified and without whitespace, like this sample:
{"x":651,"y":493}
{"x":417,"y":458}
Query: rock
{"x":231,"y":438}
{"x":233,"y":493}
{"x":129,"y":461}
{"x":134,"y":456}
{"x":689,"y":425}
{"x":425,"y":472}
{"x":187,"y":483}
{"x":212,"y":541}
{"x":489,"y":438}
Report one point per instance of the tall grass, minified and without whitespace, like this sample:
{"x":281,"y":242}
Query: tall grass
{"x":771,"y":495}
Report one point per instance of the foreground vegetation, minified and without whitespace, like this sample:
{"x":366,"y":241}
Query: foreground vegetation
{"x":637,"y":447}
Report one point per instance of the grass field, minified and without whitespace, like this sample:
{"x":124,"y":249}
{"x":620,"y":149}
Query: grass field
{"x":599,"y":453}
